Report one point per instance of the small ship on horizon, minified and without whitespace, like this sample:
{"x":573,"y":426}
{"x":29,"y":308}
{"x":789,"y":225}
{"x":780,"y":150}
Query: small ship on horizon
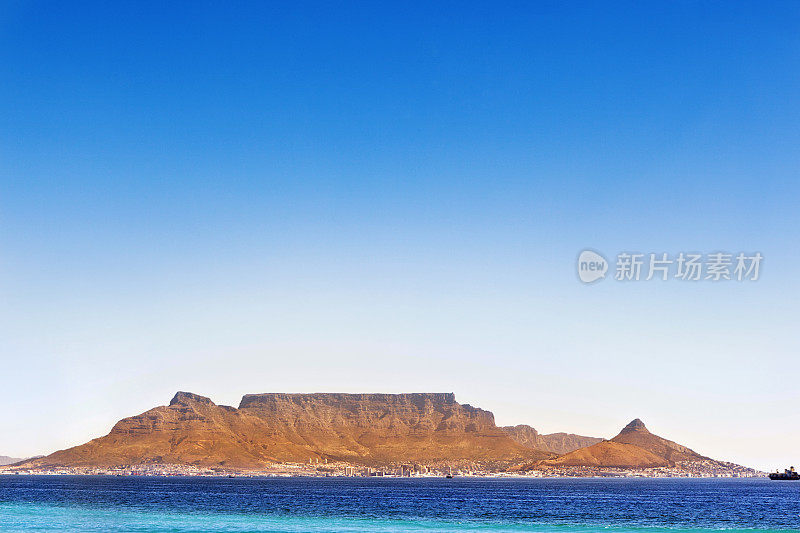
{"x":790,"y":474}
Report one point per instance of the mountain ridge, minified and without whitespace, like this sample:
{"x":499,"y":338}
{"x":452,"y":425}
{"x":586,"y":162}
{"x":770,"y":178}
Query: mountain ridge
{"x":558,"y":443}
{"x":369,"y":429}
{"x":268,"y":428}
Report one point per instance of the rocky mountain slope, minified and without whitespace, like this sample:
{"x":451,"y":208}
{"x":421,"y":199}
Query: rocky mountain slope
{"x":558,"y":443}
{"x":269,"y":428}
{"x":633,"y":447}
{"x":637,"y":434}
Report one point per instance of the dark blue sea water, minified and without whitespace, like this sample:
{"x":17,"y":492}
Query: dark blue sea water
{"x":66,"y":503}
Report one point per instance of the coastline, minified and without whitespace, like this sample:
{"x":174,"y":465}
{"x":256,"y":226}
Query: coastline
{"x":184,"y":471}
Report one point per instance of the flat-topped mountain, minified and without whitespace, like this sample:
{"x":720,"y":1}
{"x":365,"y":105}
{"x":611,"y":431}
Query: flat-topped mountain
{"x":558,"y":443}
{"x":275,"y":427}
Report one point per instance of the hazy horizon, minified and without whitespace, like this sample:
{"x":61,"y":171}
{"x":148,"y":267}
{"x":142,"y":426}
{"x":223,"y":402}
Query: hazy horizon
{"x":392,"y":199}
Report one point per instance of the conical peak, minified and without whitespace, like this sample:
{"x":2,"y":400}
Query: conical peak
{"x":635,"y":425}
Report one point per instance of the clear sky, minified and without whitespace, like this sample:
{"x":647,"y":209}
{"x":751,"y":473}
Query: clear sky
{"x":242,"y":198}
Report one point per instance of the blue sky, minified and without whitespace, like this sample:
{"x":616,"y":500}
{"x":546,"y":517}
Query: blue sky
{"x":376,"y":197}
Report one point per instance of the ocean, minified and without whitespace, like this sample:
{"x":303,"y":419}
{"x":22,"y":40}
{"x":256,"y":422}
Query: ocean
{"x":152,"y":504}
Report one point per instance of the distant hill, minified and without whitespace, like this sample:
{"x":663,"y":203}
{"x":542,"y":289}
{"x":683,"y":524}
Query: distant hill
{"x":637,"y":434}
{"x":633,"y":447}
{"x":558,"y":443}
{"x":609,"y":454}
{"x":6,"y":460}
{"x":269,"y":428}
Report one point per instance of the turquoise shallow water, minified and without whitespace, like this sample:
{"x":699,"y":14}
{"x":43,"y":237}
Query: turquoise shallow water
{"x":24,"y":517}
{"x":93,"y":504}
{"x":46,"y":518}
